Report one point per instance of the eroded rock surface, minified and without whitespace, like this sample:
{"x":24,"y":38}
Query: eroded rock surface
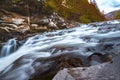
{"x":12,"y":24}
{"x":105,"y":71}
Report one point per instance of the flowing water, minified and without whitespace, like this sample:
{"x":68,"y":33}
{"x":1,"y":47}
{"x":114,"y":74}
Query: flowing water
{"x":9,"y":47}
{"x":38,"y":53}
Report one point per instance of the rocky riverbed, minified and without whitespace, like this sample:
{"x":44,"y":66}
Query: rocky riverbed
{"x":88,"y":48}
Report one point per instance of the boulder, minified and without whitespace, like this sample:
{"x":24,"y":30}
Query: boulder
{"x":44,"y":21}
{"x":105,"y":71}
{"x":52,"y":25}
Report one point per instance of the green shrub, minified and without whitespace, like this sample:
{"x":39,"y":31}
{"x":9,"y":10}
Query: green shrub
{"x":84,"y":19}
{"x":16,"y":1}
{"x":49,"y":7}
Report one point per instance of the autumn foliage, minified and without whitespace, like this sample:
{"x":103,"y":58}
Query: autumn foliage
{"x":78,"y":10}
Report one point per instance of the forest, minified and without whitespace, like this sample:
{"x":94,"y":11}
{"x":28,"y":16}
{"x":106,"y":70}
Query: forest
{"x":78,"y":10}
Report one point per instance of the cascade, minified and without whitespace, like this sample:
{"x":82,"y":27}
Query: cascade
{"x":8,"y":48}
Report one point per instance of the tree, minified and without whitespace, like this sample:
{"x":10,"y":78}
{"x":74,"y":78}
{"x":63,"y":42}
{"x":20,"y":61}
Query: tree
{"x":49,"y":7}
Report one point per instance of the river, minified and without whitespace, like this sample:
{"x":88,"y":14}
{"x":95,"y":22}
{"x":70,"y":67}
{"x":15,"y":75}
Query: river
{"x":43,"y":53}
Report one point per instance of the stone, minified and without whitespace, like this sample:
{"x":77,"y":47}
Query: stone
{"x":17,"y":21}
{"x":10,"y":30}
{"x":63,"y":75}
{"x":105,"y":71}
{"x":44,"y":21}
{"x":52,"y":25}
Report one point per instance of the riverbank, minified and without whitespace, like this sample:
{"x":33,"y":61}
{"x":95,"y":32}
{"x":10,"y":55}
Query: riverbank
{"x":14,"y":25}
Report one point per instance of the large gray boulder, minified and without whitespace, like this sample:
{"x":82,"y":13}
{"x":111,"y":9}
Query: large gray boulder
{"x":105,"y":71}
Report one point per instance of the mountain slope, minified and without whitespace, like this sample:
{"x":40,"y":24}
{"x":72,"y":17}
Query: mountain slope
{"x":111,"y":15}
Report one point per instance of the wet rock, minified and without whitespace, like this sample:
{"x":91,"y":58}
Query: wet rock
{"x":98,"y":58}
{"x":40,"y":68}
{"x":51,"y":65}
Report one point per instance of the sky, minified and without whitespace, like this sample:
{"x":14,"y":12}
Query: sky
{"x":108,"y":5}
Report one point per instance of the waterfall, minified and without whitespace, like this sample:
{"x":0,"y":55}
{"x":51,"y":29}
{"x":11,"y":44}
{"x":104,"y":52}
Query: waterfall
{"x":8,"y":48}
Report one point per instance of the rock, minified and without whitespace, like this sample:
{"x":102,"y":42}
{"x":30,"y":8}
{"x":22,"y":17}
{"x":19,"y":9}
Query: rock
{"x":8,"y":30}
{"x":98,"y":58}
{"x":33,"y":26}
{"x":44,"y":21}
{"x":13,"y":24}
{"x":53,"y":21}
{"x":63,"y":75}
{"x":17,"y":21}
{"x":105,"y":71}
{"x":52,"y":25}
{"x":61,"y":24}
{"x":43,"y":68}
{"x":23,"y":28}
{"x":1,"y":21}
{"x":36,"y":28}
